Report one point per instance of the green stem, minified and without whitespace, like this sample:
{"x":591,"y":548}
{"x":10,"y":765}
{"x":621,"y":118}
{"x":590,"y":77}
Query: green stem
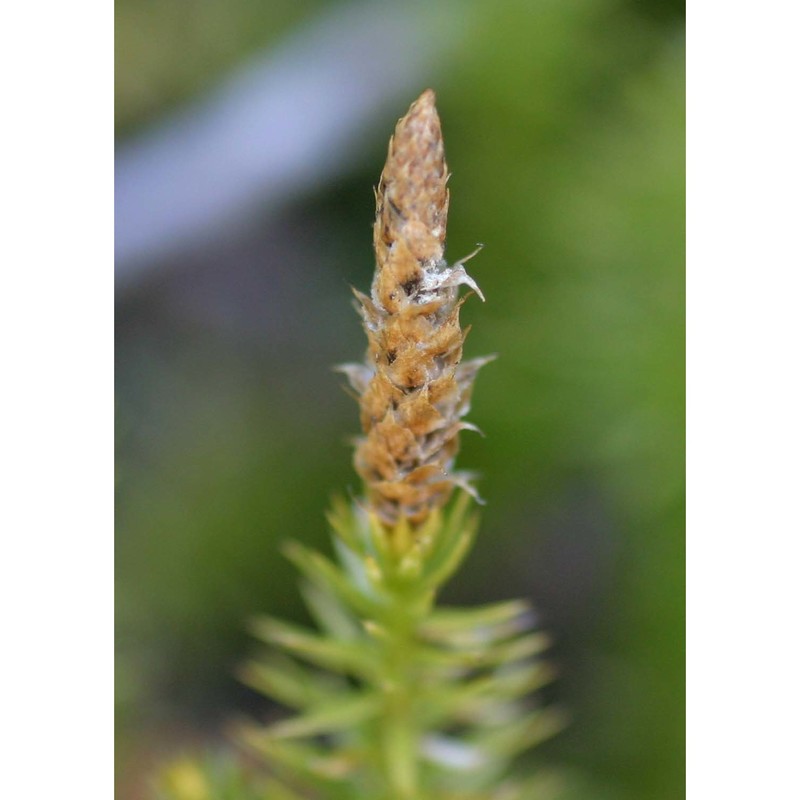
{"x":400,"y":735}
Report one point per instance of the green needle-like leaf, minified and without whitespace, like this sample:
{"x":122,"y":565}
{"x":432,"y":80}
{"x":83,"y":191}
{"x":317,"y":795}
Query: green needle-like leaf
{"x":329,"y":613}
{"x":335,"y":716}
{"x":324,"y":573}
{"x":343,"y":657}
{"x":480,"y":625}
{"x":287,"y":681}
{"x":303,"y":764}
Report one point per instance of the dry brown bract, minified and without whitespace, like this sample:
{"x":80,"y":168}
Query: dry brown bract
{"x":413,"y":390}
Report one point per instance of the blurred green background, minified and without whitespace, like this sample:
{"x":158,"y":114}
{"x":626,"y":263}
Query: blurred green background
{"x":564,"y":129}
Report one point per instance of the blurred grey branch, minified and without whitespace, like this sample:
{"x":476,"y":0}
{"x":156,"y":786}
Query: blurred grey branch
{"x":288,"y":122}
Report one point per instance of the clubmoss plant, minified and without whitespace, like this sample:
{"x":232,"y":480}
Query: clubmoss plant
{"x":397,"y":698}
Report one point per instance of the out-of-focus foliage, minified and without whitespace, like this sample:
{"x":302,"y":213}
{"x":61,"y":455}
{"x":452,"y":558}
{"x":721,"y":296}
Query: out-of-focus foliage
{"x":217,"y":777}
{"x":563,"y":122}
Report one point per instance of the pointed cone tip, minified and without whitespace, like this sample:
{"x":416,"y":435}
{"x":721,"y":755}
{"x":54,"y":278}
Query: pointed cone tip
{"x":423,"y":106}
{"x":427,"y":98}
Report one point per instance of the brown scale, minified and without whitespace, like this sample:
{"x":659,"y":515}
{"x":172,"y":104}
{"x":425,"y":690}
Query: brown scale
{"x":413,"y":390}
